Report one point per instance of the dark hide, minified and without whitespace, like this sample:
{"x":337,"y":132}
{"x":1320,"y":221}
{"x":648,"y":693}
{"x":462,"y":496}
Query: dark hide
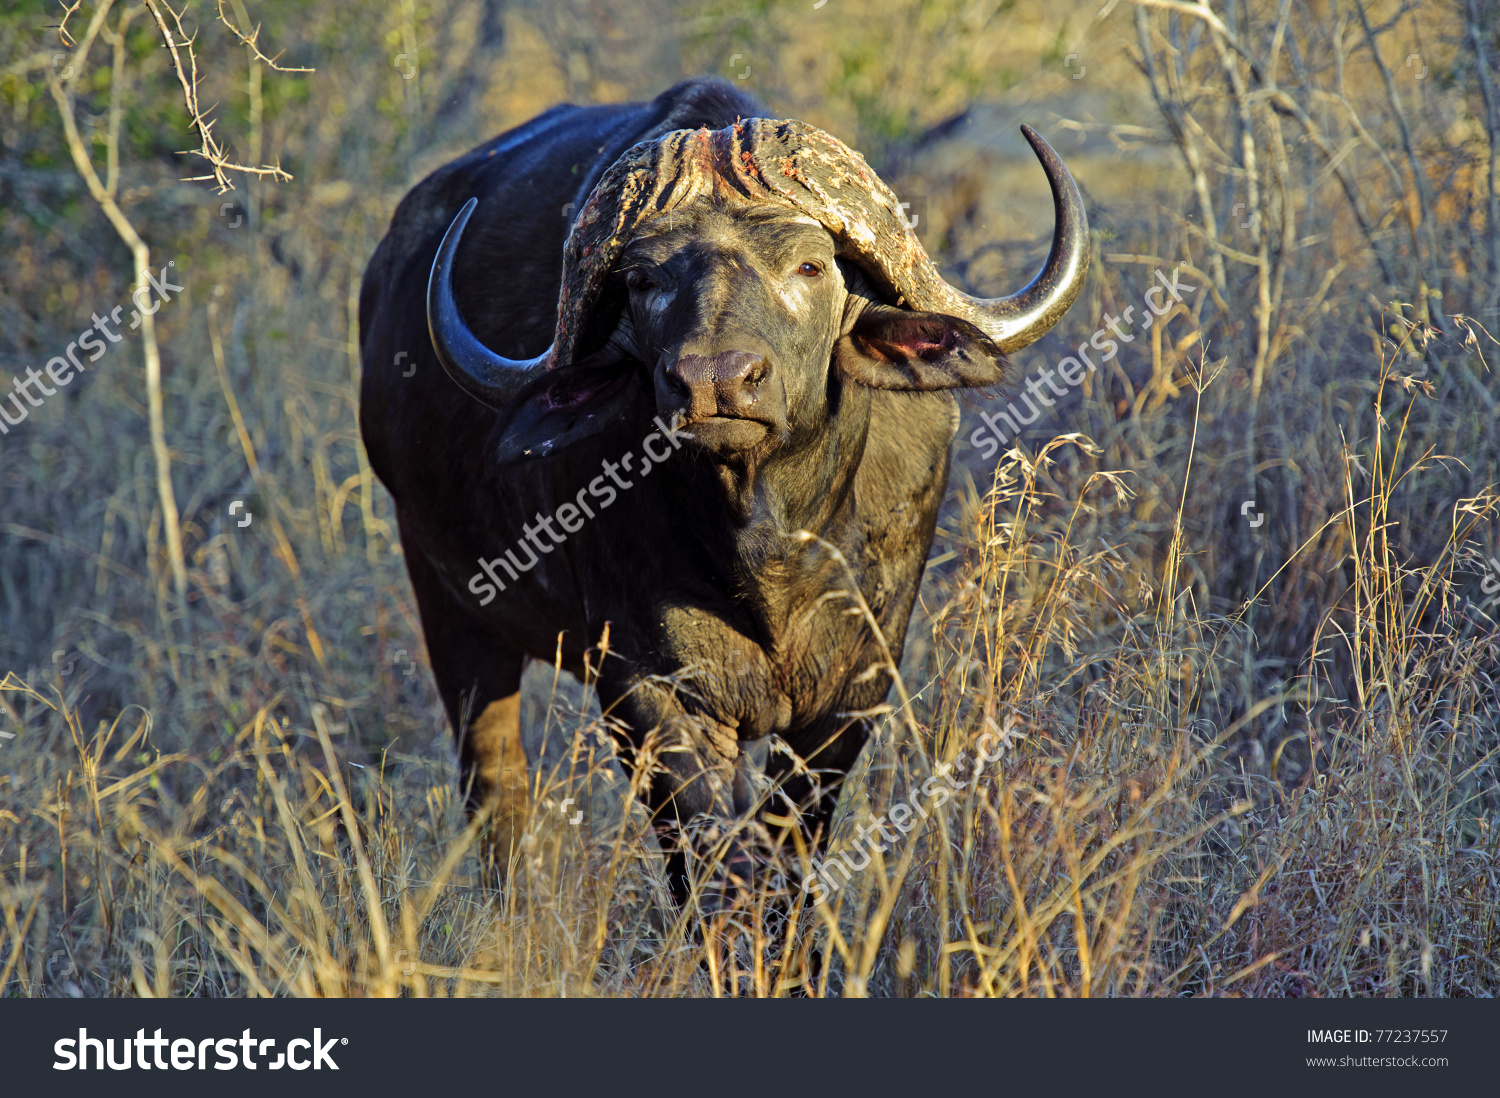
{"x":810,"y":405}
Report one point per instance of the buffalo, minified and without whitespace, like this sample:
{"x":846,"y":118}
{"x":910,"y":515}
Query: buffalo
{"x":724,"y":425}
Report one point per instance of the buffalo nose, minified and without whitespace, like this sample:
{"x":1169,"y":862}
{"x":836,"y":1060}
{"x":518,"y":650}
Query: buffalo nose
{"x":723,"y":384}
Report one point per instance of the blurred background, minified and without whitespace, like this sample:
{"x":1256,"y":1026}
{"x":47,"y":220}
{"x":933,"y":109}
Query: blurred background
{"x":1294,"y":558}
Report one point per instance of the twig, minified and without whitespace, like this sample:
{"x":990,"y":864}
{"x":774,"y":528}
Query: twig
{"x":1430,"y":285}
{"x":209,"y":148}
{"x":141,"y":254}
{"x":250,"y":40}
{"x":1173,"y":113}
{"x":1492,"y":129}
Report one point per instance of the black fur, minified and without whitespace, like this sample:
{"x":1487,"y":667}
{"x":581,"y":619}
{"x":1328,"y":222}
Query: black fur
{"x":695,"y":569}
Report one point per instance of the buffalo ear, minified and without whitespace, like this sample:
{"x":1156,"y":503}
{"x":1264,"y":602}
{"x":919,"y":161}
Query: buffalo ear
{"x":891,"y":348}
{"x":570,"y":404}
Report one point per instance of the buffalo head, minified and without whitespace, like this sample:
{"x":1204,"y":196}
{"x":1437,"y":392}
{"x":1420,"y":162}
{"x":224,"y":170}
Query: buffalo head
{"x":747,"y":272}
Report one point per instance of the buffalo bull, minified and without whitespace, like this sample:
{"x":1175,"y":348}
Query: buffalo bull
{"x":726,"y":339}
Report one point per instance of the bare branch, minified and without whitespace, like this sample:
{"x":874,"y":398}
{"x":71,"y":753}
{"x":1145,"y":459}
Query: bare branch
{"x":81,"y":48}
{"x":1492,"y":132}
{"x":62,"y":28}
{"x":104,"y":194}
{"x":1431,"y":280}
{"x":250,"y":40}
{"x":209,"y":148}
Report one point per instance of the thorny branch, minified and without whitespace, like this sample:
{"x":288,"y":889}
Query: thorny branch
{"x":250,"y":41}
{"x":185,"y":63}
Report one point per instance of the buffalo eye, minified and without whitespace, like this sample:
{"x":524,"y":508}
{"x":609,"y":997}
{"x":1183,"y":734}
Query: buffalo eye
{"x":640,"y":282}
{"x":809,"y":270}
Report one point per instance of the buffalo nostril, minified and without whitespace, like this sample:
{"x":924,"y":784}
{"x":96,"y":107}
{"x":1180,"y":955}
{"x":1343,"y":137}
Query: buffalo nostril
{"x":693,"y":379}
{"x":675,"y":382}
{"x":741,"y":370}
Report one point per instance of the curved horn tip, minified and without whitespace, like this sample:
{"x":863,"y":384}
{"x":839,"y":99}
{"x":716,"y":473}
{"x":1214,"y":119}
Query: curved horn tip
{"x":486,"y":376}
{"x":1024,"y":317}
{"x":1045,"y":153}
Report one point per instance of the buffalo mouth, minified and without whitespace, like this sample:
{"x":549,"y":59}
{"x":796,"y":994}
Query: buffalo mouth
{"x":725,"y":434}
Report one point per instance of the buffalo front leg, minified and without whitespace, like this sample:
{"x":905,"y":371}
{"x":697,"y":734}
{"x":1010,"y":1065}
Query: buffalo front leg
{"x":704,"y":789}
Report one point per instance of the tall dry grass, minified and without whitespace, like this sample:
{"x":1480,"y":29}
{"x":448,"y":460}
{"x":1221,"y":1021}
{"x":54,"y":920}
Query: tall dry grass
{"x":1115,"y":851}
{"x":1256,"y":761}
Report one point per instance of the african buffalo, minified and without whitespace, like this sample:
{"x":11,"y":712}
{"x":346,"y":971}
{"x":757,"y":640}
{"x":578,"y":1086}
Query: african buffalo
{"x":735,"y":339}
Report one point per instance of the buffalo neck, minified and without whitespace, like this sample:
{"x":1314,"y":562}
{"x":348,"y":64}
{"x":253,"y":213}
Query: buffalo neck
{"x":747,"y":514}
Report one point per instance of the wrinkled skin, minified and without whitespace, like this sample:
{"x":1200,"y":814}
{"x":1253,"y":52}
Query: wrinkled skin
{"x":805,"y":405}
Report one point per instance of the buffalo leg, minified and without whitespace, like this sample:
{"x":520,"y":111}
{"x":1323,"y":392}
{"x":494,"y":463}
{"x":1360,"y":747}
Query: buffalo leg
{"x":832,"y":757}
{"x":479,"y":680}
{"x":495,"y":772}
{"x":693,"y":771}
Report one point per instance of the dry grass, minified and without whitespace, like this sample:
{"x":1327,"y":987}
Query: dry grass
{"x":1113,"y":852}
{"x":1255,"y":761}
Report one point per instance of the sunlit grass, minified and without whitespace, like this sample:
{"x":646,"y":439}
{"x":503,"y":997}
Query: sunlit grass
{"x":1251,"y":760}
